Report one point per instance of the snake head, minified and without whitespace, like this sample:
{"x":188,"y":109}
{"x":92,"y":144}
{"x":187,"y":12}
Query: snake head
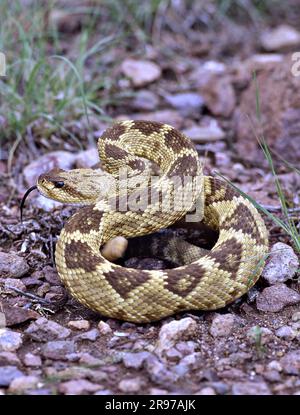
{"x":78,"y":186}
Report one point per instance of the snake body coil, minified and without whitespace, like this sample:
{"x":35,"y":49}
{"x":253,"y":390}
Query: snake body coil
{"x":215,"y":279}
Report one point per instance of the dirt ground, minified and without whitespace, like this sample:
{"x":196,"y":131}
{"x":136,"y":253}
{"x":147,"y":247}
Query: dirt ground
{"x":191,"y":65}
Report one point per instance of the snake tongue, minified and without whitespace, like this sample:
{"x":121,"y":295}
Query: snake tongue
{"x":23,"y":200}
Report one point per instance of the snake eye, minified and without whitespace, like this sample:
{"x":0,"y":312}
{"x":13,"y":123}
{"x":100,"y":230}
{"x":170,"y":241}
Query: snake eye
{"x":59,"y":184}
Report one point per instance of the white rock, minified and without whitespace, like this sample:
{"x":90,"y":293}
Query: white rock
{"x":79,"y":324}
{"x":204,"y":134}
{"x":286,"y":332}
{"x":140,"y":72}
{"x":22,"y":383}
{"x":281,"y":265}
{"x":174,"y":331}
{"x":281,"y":37}
{"x":10,"y":341}
{"x":104,"y":328}
{"x":222,"y":325}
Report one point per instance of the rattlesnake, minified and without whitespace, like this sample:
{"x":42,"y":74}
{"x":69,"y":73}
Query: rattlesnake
{"x":211,"y":281}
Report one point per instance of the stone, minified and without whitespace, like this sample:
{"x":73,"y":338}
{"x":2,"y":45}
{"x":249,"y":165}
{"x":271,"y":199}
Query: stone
{"x":189,"y":104}
{"x":296,"y":316}
{"x":9,"y":358}
{"x":12,"y":265}
{"x":130,"y":385}
{"x":55,"y":159}
{"x":78,"y":387}
{"x":8,"y":374}
{"x":222,"y":325}
{"x":280,"y":37}
{"x":140,"y":72}
{"x":79,"y":324}
{"x":10,"y":341}
{"x":32,"y":360}
{"x":279,"y":114}
{"x":281,"y":265}
{"x":46,"y":330}
{"x":51,"y":275}
{"x":87,"y":159}
{"x":145,"y":101}
{"x":158,"y":372}
{"x":205,"y":133}
{"x":206,"y":391}
{"x":135,"y":360}
{"x":286,"y":332}
{"x":22,"y":383}
{"x":291,"y":363}
{"x":57,"y":350}
{"x":172,"y":332}
{"x":104,"y":328}
{"x":11,"y":283}
{"x":91,"y":335}
{"x":250,"y":388}
{"x":14,"y":315}
{"x":275,"y":298}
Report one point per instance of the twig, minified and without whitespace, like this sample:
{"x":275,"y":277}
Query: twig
{"x":29,"y":295}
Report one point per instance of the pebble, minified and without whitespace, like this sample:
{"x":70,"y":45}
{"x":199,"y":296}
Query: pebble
{"x":8,"y":374}
{"x":286,"y":332}
{"x":157,"y":391}
{"x":46,"y":330}
{"x":158,"y":372}
{"x":91,"y":335}
{"x":189,"y":104}
{"x":135,"y":360}
{"x":274,"y":365}
{"x":280,"y":37}
{"x":296,"y":316}
{"x":57,"y":350}
{"x":32,"y":360}
{"x":206,"y":391}
{"x":104,"y":328}
{"x":10,"y":341}
{"x":291,"y":363}
{"x":222,"y":325}
{"x":79,"y":324}
{"x":145,"y":100}
{"x":276,"y":297}
{"x":9,"y":358}
{"x":12,"y":265}
{"x":205,"y":133}
{"x":78,"y":387}
{"x":130,"y":385}
{"x":250,"y":388}
{"x":140,"y":72}
{"x":172,"y":332}
{"x":281,"y":265}
{"x":22,"y":383}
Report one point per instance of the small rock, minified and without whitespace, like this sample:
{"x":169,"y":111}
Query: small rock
{"x":78,"y":387}
{"x":281,"y":265}
{"x":158,"y":372}
{"x":222,"y":325}
{"x":22,"y":383}
{"x":57,"y":350}
{"x":145,"y":101}
{"x":135,"y":360}
{"x":104,"y":328}
{"x":87,"y":159}
{"x":32,"y":360}
{"x":10,"y":341}
{"x":11,"y":283}
{"x":15,"y":315}
{"x":218,"y":94}
{"x":206,"y":391}
{"x":276,"y":297}
{"x":250,"y":388}
{"x":91,"y":335}
{"x":79,"y":324}
{"x":51,"y":275}
{"x":130,"y":385}
{"x":291,"y":363}
{"x":140,"y":72}
{"x":281,"y":37}
{"x":188,"y":103}
{"x":204,"y":134}
{"x":8,"y":374}
{"x":259,"y":335}
{"x":274,"y":365}
{"x":286,"y":332}
{"x":157,"y":391}
{"x":61,"y":159}
{"x":12,"y":265}
{"x":89,"y":360}
{"x":296,"y":316}
{"x":172,"y":332}
{"x":44,"y":330}
{"x":9,"y":358}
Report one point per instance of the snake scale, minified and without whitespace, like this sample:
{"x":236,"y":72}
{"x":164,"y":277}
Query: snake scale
{"x":216,"y":278}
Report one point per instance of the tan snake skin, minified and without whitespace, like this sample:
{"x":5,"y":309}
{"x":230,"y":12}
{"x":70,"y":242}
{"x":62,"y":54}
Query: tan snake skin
{"x":215,"y":279}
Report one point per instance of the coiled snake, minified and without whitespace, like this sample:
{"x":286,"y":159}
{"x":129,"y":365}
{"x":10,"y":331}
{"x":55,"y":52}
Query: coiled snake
{"x":212,"y":280}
